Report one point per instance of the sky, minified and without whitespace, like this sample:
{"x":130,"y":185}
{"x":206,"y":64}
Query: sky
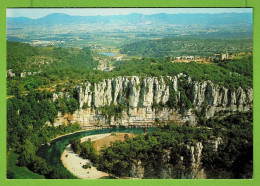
{"x":35,"y":13}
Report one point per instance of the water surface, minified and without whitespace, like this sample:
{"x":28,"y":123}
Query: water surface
{"x":52,"y":153}
{"x":108,"y":53}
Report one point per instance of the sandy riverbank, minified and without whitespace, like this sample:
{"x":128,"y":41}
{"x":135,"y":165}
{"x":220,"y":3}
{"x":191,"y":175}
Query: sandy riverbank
{"x":74,"y":163}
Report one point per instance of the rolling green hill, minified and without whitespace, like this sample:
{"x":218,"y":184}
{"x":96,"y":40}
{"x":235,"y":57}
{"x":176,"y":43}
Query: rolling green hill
{"x":181,"y":46}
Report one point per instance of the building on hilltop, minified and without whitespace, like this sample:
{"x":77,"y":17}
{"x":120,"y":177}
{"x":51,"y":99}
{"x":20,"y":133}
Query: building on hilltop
{"x":219,"y":57}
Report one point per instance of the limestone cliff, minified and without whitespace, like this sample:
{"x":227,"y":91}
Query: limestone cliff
{"x":137,"y":171}
{"x":188,"y":165}
{"x":183,"y":161}
{"x":142,"y":96}
{"x":103,"y":64}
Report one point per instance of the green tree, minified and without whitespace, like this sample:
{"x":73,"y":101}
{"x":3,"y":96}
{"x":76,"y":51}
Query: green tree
{"x":27,"y":155}
{"x":39,"y":165}
{"x":75,"y":145}
{"x":58,"y":172}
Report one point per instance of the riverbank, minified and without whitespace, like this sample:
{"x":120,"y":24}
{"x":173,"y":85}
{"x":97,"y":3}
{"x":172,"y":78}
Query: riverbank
{"x":74,"y":163}
{"x":69,"y":134}
{"x":100,"y":127}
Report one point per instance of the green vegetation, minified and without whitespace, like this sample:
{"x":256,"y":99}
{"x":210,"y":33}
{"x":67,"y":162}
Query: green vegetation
{"x":28,"y":161}
{"x":241,"y":66}
{"x":182,"y":46}
{"x":50,"y":65}
{"x":27,"y":116}
{"x":66,"y":105}
{"x":149,"y":148}
{"x":236,"y":152}
{"x":17,"y":172}
{"x":87,"y":166}
{"x":88,"y":150}
{"x":198,"y":72}
{"x":107,"y":177}
{"x":113,"y":110}
{"x":185,"y":93}
{"x":72,"y":66}
{"x":59,"y":172}
{"x":85,"y":149}
{"x":17,"y":54}
{"x":27,"y":130}
{"x":21,"y":56}
{"x":172,"y":102}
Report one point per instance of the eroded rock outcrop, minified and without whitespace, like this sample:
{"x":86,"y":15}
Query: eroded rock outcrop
{"x":189,"y":164}
{"x":137,"y":171}
{"x":142,"y":96}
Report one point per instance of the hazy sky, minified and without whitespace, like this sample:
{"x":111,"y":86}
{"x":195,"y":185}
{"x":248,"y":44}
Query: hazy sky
{"x":35,"y":13}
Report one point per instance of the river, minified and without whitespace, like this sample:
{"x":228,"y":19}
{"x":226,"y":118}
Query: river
{"x":52,"y":153}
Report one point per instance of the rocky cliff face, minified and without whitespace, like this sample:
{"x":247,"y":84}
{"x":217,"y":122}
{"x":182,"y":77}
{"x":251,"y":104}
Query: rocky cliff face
{"x":189,"y":164}
{"x":103,"y":65}
{"x":142,"y":96}
{"x":137,"y":171}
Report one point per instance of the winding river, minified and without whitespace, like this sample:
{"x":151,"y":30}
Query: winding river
{"x":52,"y":153}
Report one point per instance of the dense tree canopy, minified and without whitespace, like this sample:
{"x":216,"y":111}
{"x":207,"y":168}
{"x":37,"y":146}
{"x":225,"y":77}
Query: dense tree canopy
{"x":27,"y":129}
{"x":183,"y":46}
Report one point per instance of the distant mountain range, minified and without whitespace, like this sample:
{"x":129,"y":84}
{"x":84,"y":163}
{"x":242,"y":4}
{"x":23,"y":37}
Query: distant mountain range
{"x":184,"y":19}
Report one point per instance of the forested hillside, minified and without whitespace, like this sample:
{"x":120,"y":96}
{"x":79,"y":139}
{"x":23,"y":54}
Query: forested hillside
{"x":27,"y":130}
{"x":221,"y":73}
{"x":22,"y":57}
{"x":45,"y":67}
{"x":182,"y":46}
{"x":70,"y":66}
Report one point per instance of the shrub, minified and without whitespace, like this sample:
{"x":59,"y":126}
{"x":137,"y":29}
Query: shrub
{"x":39,"y":165}
{"x":87,"y":166}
